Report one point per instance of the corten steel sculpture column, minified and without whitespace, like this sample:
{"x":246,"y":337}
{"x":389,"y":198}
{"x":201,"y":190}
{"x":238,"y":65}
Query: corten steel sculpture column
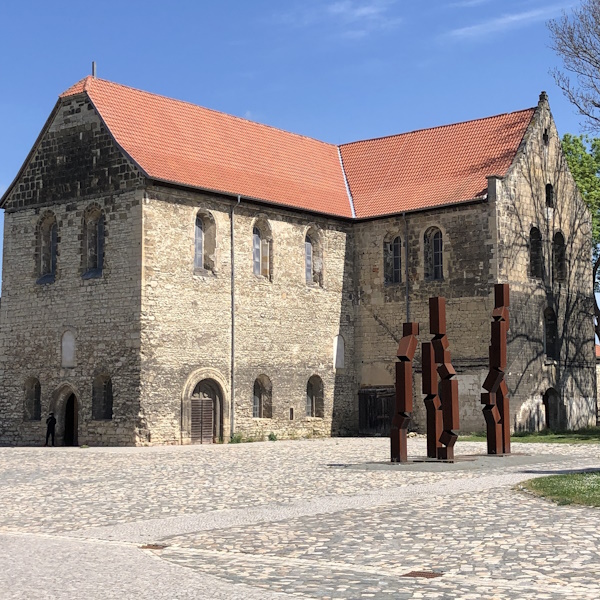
{"x":442,"y":408}
{"x":497,"y":409}
{"x":404,"y":391}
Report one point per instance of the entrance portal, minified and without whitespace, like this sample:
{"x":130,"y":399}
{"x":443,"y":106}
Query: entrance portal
{"x":206,"y":409}
{"x":71,"y":413}
{"x":555,"y":409}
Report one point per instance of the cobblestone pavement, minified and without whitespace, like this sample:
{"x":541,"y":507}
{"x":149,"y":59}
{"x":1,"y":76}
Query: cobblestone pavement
{"x":312,"y":519}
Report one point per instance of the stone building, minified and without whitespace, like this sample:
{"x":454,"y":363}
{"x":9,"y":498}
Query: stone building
{"x":175,"y":275}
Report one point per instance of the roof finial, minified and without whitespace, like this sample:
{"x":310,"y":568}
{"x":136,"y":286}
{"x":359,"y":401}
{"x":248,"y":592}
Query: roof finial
{"x":543,"y":98}
{"x":94,"y":68}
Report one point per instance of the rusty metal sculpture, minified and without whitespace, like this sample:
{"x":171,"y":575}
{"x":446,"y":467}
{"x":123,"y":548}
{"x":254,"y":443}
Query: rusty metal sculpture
{"x":404,"y":391}
{"x":441,"y":402}
{"x":497,"y":410}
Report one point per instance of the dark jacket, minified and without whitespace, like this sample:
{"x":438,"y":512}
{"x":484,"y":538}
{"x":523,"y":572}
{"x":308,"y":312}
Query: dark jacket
{"x":51,"y":423}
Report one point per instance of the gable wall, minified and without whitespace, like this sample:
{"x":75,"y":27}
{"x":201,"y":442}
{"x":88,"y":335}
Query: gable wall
{"x":521,"y":204}
{"x":74,"y":166}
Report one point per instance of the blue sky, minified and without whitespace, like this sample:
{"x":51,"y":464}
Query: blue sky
{"x":336,"y":70}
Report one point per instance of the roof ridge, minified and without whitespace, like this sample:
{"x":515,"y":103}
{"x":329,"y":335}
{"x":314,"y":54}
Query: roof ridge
{"x":393,"y":135}
{"x":86,"y":88}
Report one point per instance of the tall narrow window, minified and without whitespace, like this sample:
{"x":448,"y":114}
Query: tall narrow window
{"x":549,"y":196}
{"x":434,"y":254}
{"x":199,"y":244}
{"x":102,"y":398}
{"x":47,"y":249}
{"x":536,"y":262}
{"x":261,"y":250}
{"x":559,"y":258}
{"x":392,"y":256}
{"x":314,"y":397}
{"x":313,"y":262}
{"x":205,"y":242}
{"x":33,"y":405}
{"x":93,"y":243}
{"x":550,"y":334}
{"x":262,"y":400}
{"x":339,"y":350}
{"x":68,"y":349}
{"x":308,"y":270}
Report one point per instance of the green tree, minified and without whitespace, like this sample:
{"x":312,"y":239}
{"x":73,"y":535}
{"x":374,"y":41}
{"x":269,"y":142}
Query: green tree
{"x":583,"y":157}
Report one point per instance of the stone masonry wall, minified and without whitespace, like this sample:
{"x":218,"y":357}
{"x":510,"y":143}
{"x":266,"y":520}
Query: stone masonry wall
{"x":469,"y":267}
{"x":74,"y":166}
{"x":521,"y":204}
{"x":285,"y":328}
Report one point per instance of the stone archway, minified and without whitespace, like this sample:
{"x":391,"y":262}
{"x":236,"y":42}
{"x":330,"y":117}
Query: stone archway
{"x":204,"y":408}
{"x":555,"y":410}
{"x":65,"y":406}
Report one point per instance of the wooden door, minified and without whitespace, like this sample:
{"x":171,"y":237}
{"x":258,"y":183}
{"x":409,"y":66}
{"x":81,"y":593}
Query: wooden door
{"x":203,"y":410}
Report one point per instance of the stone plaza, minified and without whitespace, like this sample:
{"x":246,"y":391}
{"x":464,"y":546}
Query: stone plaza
{"x":326,"y":518}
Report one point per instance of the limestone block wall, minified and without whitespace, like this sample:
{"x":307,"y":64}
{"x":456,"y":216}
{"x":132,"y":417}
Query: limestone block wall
{"x":469,"y":271}
{"x":74,"y":165}
{"x":521,"y":204}
{"x":284,"y":328}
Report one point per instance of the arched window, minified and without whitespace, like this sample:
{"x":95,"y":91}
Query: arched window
{"x":93,"y":243}
{"x":536,"y":260}
{"x":47,"y":249}
{"x":102,"y":398}
{"x":339,"y":350}
{"x":434,"y":254}
{"x":204,"y":242}
{"x":313,"y":257}
{"x":68,"y":349}
{"x":262,"y":407}
{"x":33,"y":403}
{"x":549,"y":195}
{"x":550,"y":334}
{"x":261,"y":250}
{"x":314,"y":397}
{"x":392,"y":256}
{"x":559,"y":258}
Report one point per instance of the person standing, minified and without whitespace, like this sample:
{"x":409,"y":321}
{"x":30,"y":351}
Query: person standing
{"x":50,"y":428}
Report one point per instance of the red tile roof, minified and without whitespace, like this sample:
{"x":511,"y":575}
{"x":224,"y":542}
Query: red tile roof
{"x":597,"y":351}
{"x":192,"y":146}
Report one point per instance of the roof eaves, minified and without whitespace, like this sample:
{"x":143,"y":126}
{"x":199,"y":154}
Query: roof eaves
{"x":186,"y":186}
{"x":350,"y":198}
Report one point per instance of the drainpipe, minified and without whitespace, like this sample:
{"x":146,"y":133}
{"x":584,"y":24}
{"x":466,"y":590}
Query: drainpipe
{"x":232,"y":242}
{"x":406,"y":265}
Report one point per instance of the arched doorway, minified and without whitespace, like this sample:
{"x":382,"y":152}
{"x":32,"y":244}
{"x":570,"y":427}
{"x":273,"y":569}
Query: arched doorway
{"x":71,"y":421}
{"x":206,"y":413}
{"x":555,"y":409}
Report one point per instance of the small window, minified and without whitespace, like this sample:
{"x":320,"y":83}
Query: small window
{"x":536,"y":262}
{"x":261,"y":250}
{"x":93,"y":243}
{"x":262,"y":402}
{"x":102,"y":398}
{"x":33,"y":404}
{"x":392,"y":252}
{"x":313,"y":261}
{"x":434,"y":254}
{"x":314,"y":397}
{"x":559,"y":261}
{"x":204,"y":242}
{"x":549,"y":196}
{"x":47,"y":249}
{"x":545,"y":137}
{"x":338,"y":352}
{"x":550,"y":334}
{"x":68,"y":349}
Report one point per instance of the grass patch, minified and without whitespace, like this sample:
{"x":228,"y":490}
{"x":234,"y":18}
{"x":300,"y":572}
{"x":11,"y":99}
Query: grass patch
{"x":578,"y":488}
{"x":589,"y":435}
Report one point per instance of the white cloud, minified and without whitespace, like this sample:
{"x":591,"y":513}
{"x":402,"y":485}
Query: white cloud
{"x":504,"y":23}
{"x":352,"y":18}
